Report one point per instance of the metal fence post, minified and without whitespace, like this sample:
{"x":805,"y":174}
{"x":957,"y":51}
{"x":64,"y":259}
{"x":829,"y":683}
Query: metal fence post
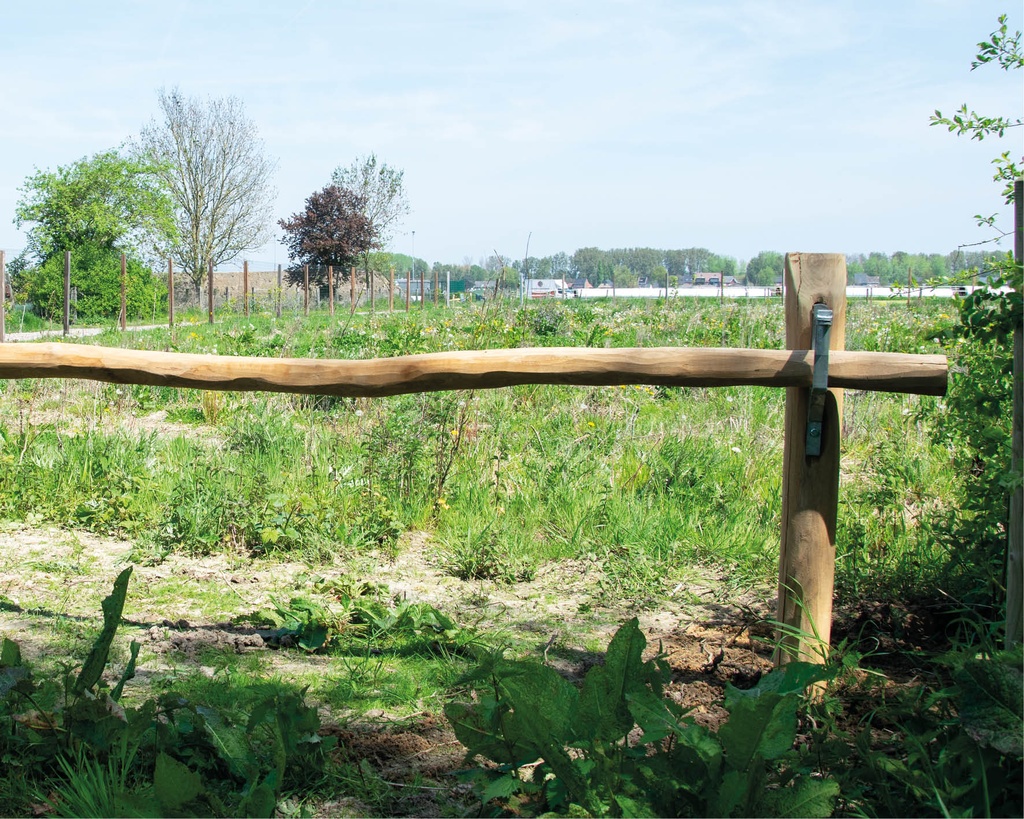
{"x":67,"y":292}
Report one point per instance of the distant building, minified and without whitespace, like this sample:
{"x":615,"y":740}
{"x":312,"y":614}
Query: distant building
{"x":714,"y":280}
{"x":545,"y":288}
{"x":581,"y":284}
{"x":414,"y":286}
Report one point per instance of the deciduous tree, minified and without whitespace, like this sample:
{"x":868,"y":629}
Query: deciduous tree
{"x":106,"y":201}
{"x":96,"y":208}
{"x":765,"y":268}
{"x":382,"y":190}
{"x":213,"y":162}
{"x":333,"y":229}
{"x":96,"y":276}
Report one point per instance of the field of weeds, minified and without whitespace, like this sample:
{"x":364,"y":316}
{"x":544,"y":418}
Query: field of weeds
{"x":352,"y":564}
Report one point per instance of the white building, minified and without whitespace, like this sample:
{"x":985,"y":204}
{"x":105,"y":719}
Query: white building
{"x":546,"y":288}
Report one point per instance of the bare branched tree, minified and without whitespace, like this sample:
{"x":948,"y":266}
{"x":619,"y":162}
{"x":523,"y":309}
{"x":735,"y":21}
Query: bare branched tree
{"x":382,"y":189}
{"x":218,"y":175}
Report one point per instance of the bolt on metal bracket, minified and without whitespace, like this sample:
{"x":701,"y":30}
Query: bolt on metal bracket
{"x":821,"y":317}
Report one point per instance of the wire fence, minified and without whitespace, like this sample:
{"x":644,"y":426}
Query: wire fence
{"x":327,"y":288}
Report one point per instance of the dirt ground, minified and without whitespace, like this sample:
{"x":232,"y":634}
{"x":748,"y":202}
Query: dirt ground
{"x":707,"y":640}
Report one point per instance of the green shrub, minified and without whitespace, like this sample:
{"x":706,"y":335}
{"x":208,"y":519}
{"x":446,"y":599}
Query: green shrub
{"x":96,"y":278}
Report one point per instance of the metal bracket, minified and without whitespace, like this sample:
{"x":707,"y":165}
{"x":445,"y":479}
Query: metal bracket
{"x":821,"y":317}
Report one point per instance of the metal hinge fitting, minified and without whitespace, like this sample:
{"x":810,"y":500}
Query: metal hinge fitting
{"x":821,"y":317}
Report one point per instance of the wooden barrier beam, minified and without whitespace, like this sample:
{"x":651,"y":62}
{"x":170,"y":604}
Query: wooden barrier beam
{"x":467,"y":370}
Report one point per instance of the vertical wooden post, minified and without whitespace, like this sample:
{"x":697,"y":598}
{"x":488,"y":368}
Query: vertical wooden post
{"x":810,"y":485}
{"x":209,"y":289}
{"x":369,"y":284}
{"x":330,"y":289}
{"x":67,"y":292}
{"x":124,"y":294}
{"x":352,"y":287}
{"x":170,"y":294}
{"x":280,"y":293}
{"x":423,"y":289}
{"x":1015,"y":531}
{"x":435,"y":287}
{"x":3,"y":297}
{"x":391,"y":290}
{"x":305,"y":290}
{"x":408,"y":289}
{"x":245,"y":289}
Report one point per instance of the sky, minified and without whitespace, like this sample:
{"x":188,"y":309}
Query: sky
{"x":736,"y":125}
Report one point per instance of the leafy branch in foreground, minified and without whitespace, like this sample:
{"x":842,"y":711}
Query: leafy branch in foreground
{"x":559,"y":748}
{"x":1003,"y":49}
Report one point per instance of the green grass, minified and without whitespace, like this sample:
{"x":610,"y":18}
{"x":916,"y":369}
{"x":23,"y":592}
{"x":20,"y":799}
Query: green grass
{"x":647,"y":479}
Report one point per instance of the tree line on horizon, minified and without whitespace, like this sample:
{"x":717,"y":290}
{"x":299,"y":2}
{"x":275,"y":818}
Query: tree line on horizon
{"x":631,"y":267}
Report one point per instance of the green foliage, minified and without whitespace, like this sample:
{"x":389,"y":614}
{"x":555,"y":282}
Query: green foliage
{"x":1002,"y":49}
{"x":316,"y":625}
{"x":590,"y":765}
{"x":107,"y":202}
{"x":991,"y":704}
{"x":765,"y":268}
{"x":90,"y":755}
{"x":974,"y":423}
{"x":627,"y":265}
{"x":382,"y":191}
{"x":635,"y":482}
{"x":953,"y":750}
{"x":494,"y":552}
{"x":307,"y":623}
{"x":639,"y":480}
{"x":112,"y":606}
{"x":96,"y":278}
